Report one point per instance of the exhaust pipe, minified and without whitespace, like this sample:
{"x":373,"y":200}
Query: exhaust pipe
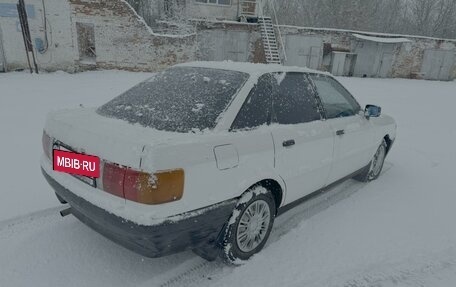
{"x":65,"y":212}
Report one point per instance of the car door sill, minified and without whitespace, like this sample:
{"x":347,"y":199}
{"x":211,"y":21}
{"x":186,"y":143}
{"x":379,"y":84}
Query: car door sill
{"x":297,"y":202}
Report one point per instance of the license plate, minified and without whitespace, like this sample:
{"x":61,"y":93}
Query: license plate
{"x":76,"y":163}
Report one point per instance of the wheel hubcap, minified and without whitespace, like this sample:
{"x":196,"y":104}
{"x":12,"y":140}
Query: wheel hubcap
{"x":253,"y":226}
{"x":377,"y":162}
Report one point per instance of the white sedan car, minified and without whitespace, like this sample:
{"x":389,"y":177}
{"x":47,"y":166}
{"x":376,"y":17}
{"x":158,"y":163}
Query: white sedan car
{"x":205,"y":155}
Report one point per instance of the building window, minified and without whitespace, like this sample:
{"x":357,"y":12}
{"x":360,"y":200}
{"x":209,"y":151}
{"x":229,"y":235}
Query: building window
{"x":216,"y":2}
{"x":86,"y":42}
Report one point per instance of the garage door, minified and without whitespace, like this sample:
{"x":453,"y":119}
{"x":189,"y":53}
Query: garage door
{"x":386,"y":63}
{"x":2,"y":54}
{"x":437,"y":64}
{"x":304,"y":51}
{"x":224,"y":45}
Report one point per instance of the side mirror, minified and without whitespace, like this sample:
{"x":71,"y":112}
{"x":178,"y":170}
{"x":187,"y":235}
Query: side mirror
{"x":372,"y":111}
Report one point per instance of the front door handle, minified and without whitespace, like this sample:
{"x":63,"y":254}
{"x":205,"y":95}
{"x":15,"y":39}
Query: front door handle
{"x":340,"y":132}
{"x":289,"y":143}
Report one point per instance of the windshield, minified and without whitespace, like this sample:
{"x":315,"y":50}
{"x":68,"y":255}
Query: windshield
{"x":180,"y":99}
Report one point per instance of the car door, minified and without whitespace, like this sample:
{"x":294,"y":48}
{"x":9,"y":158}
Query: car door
{"x":250,"y":135}
{"x":303,"y":141}
{"x":354,"y":141}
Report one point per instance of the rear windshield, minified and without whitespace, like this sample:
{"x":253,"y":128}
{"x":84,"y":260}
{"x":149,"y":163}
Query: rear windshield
{"x":180,"y":99}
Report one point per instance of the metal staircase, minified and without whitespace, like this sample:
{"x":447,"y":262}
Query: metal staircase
{"x":270,"y":44}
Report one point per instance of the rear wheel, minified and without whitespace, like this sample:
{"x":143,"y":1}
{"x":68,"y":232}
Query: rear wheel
{"x":249,"y":226}
{"x":376,"y":165}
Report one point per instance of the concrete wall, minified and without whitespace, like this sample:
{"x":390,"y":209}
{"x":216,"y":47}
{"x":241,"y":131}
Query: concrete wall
{"x":60,"y":54}
{"x":229,"y":41}
{"x":124,"y":41}
{"x":303,"y":50}
{"x":407,"y":58}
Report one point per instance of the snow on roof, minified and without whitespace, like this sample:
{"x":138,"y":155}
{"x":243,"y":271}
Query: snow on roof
{"x":249,"y":68}
{"x":382,"y":39}
{"x":363,"y":32}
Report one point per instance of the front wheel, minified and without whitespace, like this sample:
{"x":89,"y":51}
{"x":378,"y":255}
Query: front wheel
{"x":249,"y":226}
{"x":376,"y":165}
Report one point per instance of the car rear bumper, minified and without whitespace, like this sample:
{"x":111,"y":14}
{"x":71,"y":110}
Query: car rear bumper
{"x":199,"y":230}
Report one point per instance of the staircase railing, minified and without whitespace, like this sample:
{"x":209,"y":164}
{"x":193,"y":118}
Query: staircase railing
{"x":278,"y":28}
{"x":265,"y":32}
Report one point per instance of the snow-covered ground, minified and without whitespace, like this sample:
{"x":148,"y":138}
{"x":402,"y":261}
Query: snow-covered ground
{"x":397,"y":231}
{"x":24,"y":102}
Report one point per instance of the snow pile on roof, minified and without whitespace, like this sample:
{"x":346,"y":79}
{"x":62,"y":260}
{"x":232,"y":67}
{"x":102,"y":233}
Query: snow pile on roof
{"x":363,"y":32}
{"x":382,"y":39}
{"x":250,"y":68}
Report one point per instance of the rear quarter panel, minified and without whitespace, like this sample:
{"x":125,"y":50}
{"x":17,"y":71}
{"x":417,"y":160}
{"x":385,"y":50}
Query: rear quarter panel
{"x":205,"y":183}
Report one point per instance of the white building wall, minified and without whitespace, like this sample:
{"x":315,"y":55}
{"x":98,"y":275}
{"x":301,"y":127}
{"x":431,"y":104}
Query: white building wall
{"x":60,"y":54}
{"x":199,"y":10}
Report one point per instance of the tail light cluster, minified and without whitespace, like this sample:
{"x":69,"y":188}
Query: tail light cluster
{"x":125,"y":182}
{"x":142,"y":187}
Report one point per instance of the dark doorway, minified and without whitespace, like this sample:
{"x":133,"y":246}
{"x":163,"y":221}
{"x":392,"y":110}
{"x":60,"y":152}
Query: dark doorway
{"x":86,"y":42}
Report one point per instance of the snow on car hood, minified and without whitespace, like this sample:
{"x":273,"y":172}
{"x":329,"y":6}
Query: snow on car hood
{"x":114,"y":140}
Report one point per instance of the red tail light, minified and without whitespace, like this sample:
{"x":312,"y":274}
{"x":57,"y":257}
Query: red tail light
{"x":113,"y":179}
{"x":138,"y":186}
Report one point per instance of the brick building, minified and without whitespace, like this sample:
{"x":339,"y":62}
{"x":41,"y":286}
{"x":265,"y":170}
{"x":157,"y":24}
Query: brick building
{"x":76,"y":35}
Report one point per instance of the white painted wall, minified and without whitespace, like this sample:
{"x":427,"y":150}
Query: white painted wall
{"x":61,"y":53}
{"x":212,"y":11}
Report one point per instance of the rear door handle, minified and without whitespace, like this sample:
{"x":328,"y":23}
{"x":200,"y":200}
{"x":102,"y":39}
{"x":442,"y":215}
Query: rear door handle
{"x":289,"y":143}
{"x":340,"y":132}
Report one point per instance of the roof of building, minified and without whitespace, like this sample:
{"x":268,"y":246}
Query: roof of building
{"x":364,"y":33}
{"x":249,"y":68}
{"x":387,"y":40}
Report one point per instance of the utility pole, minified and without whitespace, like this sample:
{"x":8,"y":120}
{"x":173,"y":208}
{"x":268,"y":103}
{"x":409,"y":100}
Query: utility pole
{"x":22,"y":13}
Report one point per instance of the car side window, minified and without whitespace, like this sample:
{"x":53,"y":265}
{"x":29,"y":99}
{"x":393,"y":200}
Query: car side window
{"x":295,"y":101}
{"x":256,"y":109}
{"x":336,"y":100}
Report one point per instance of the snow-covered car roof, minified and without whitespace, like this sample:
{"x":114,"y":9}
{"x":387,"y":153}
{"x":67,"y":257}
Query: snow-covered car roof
{"x":249,"y":68}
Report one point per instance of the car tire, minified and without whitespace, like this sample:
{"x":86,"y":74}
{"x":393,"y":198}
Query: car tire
{"x":374,"y":169}
{"x":249,"y":227}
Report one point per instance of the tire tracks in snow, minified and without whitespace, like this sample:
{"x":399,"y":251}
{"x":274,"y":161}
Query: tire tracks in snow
{"x":27,"y":218}
{"x":400,"y":275}
{"x":203,"y":270}
{"x":196,"y":270}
